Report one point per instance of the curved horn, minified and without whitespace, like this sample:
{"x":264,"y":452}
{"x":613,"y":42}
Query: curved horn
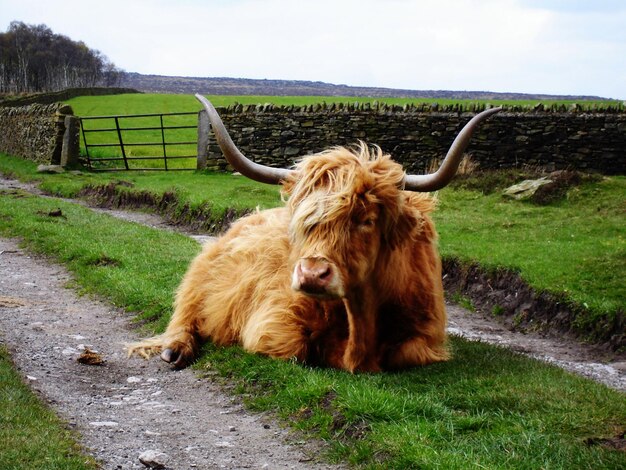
{"x":447,"y":170}
{"x":254,"y":171}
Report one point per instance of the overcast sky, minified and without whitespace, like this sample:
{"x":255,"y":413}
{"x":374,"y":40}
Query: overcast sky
{"x":573,"y":47}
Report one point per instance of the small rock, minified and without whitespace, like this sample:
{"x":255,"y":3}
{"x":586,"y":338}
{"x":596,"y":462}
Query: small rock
{"x":224,"y":444}
{"x":106,"y":424}
{"x":619,"y":366}
{"x":77,"y":337}
{"x":50,"y":169}
{"x":525,"y":189}
{"x":154,"y":459}
{"x":133,"y":380}
{"x":69,"y":351}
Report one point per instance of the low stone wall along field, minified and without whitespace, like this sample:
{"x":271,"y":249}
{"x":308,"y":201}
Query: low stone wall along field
{"x":416,"y":135}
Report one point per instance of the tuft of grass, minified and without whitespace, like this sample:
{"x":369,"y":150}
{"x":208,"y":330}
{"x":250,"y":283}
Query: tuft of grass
{"x":497,"y":310}
{"x":487,"y":407}
{"x":32,"y":436}
{"x":463,"y":301}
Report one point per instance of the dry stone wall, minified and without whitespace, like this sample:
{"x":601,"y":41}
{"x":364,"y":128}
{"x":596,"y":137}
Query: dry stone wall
{"x":415,"y":136}
{"x":34,"y":132}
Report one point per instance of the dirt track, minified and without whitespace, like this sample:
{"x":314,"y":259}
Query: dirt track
{"x":126,"y":407}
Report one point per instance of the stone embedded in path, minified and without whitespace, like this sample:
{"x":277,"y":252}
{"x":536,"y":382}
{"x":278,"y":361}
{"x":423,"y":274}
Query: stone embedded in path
{"x":108,"y":424}
{"x":224,"y":444}
{"x":154,"y":459}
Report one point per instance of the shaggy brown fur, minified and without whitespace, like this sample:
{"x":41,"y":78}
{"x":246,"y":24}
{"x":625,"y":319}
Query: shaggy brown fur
{"x":386,"y":308}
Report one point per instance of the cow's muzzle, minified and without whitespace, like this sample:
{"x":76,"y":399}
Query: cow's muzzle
{"x":317,"y":277}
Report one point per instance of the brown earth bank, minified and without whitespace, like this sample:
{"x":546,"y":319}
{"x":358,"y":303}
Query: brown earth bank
{"x":504,"y":295}
{"x":200,"y":219}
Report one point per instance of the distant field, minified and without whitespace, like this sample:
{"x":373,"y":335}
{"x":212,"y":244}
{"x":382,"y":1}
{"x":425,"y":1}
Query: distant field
{"x":169,"y":103}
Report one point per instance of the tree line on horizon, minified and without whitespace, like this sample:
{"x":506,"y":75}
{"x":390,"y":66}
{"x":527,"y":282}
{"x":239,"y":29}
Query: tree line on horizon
{"x":35,"y":59}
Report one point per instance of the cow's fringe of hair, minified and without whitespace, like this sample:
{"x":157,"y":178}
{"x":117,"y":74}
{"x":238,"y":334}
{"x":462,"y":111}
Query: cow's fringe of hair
{"x":343,"y":177}
{"x":336,"y":170}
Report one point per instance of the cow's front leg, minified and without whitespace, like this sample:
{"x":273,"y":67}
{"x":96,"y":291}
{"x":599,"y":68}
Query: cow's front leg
{"x":179,"y":348}
{"x":361,"y":351}
{"x":179,"y":344}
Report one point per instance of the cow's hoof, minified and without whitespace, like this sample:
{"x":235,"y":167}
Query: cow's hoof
{"x":168,"y":355}
{"x":174,"y":358}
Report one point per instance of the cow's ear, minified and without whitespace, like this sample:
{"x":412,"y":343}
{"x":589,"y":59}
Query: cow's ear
{"x":407,"y":220}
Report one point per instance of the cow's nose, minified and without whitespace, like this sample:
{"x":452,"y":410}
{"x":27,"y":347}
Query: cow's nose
{"x":314,"y":275}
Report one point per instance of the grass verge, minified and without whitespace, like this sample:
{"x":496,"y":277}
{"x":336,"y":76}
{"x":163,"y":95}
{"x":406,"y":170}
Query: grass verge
{"x":571,"y":249}
{"x":201,"y":200}
{"x":488,"y":407}
{"x":32,"y":436}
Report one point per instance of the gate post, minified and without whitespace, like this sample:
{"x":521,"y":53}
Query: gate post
{"x":71,"y":147}
{"x":203,"y":139}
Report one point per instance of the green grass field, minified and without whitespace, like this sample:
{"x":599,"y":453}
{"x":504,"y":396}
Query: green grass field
{"x":486,"y":408}
{"x":574,"y":248}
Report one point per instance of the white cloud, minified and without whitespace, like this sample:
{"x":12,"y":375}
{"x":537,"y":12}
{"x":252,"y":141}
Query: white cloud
{"x":499,"y":45}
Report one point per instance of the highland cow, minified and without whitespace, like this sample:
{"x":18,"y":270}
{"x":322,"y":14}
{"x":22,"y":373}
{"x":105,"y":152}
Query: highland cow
{"x":345,"y":275}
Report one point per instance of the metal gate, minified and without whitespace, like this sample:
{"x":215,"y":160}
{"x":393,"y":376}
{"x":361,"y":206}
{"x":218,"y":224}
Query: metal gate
{"x":140,"y":141}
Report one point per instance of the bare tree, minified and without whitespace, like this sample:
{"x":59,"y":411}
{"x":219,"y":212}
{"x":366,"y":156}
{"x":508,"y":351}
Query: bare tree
{"x":33,"y":58}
